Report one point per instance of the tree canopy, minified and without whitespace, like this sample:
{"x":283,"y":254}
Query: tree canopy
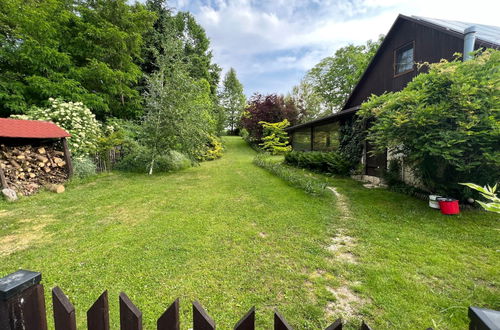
{"x":80,"y":51}
{"x":334,"y":77}
{"x":270,"y":108}
{"x":232,"y":100}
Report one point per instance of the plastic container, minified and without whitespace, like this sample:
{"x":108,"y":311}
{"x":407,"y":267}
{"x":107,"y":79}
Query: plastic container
{"x":433,"y":201}
{"x":448,"y":206}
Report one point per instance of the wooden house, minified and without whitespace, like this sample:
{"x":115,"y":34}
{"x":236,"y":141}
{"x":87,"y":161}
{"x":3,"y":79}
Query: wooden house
{"x":410,"y":40}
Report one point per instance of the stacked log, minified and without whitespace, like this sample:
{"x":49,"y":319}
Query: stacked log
{"x":27,"y":168}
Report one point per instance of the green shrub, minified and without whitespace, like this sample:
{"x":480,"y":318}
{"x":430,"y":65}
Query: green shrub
{"x":445,"y":123}
{"x":83,"y":167}
{"x":139,"y":161}
{"x":325,"y":162}
{"x":214,"y":149}
{"x":308,"y":183}
{"x":244,"y":134}
{"x":275,"y":139}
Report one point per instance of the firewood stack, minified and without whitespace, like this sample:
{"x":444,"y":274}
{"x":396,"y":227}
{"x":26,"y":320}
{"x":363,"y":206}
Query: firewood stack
{"x":27,"y":168}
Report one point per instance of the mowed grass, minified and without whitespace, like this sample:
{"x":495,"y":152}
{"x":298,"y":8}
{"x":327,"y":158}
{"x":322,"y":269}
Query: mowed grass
{"x":231,"y":235}
{"x":225,"y":233}
{"x":420,"y":268}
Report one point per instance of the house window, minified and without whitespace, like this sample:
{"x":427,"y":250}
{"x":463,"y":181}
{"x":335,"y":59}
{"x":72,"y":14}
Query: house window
{"x":403,"y":59}
{"x":326,"y":137}
{"x":302,"y":139}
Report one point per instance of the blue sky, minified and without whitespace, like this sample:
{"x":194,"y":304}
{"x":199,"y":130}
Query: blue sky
{"x":272,"y":44}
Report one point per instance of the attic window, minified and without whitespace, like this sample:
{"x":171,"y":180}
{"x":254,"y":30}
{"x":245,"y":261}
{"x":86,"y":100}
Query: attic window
{"x":403,"y":59}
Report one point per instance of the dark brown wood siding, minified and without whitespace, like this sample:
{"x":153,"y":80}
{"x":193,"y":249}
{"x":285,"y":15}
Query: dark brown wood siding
{"x":431,"y":45}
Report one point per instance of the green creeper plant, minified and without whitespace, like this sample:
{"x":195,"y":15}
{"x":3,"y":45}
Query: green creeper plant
{"x":275,"y":138}
{"x":445,"y":123}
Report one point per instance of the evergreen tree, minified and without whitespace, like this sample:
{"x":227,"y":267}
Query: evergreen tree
{"x":232,"y":100}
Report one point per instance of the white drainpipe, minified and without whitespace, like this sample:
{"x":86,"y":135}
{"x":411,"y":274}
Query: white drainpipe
{"x":469,"y":40}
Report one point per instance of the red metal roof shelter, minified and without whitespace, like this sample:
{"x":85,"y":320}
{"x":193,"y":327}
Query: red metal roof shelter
{"x":30,"y":129}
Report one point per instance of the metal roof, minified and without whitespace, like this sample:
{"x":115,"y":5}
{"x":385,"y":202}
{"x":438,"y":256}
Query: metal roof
{"x":488,"y":33}
{"x":31,"y":129}
{"x":323,"y":120}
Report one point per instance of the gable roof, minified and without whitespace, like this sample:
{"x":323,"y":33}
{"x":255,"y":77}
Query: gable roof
{"x":487,"y":34}
{"x":31,"y":129}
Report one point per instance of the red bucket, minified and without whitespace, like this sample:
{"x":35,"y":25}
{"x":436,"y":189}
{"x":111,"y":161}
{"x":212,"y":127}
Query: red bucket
{"x":449,"y":206}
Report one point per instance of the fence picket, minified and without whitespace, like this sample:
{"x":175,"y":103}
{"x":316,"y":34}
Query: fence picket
{"x":64,"y":311}
{"x":169,"y":320}
{"x":201,"y":319}
{"x":280,"y":322}
{"x":130,"y":315}
{"x":98,"y":314}
{"x":337,"y":325}
{"x":247,"y":322}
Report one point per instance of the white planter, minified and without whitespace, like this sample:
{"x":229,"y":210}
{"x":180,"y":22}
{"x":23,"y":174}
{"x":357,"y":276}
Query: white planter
{"x":433,"y":202}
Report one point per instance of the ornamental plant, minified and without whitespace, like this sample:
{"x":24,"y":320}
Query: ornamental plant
{"x":445,"y":123}
{"x":488,"y":193}
{"x":275,"y":139}
{"x":75,"y":118}
{"x":270,"y":108}
{"x":213,"y":148}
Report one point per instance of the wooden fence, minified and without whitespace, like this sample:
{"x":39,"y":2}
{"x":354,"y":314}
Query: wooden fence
{"x":22,"y":306}
{"x":106,"y":160}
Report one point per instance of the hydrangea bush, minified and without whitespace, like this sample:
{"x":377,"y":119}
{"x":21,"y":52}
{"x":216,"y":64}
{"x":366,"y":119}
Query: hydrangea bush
{"x":75,"y":118}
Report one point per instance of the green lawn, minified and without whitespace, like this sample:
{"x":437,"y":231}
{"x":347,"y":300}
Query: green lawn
{"x":231,"y":235}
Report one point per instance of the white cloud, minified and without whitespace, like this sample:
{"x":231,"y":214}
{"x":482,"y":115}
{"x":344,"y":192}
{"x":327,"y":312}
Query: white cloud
{"x":259,"y":37}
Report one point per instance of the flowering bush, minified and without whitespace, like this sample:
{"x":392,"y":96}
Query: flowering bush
{"x":75,"y":118}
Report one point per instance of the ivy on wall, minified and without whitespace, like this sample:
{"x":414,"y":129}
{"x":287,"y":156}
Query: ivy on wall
{"x":351,"y":138}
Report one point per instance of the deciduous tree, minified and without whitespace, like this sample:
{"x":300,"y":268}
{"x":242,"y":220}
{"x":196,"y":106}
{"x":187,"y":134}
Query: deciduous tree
{"x":334,"y":77}
{"x":178,"y":113}
{"x":270,"y":108}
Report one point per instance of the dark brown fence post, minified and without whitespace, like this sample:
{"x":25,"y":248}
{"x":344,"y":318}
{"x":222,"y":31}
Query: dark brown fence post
{"x":280,"y":322}
{"x":130,"y":316}
{"x":64,"y":312}
{"x":247,"y":322}
{"x":201,"y":319}
{"x":169,"y":320}
{"x":337,"y":325}
{"x":67,"y":157}
{"x":98,"y":314}
{"x":364,"y":326}
{"x":22,"y":304}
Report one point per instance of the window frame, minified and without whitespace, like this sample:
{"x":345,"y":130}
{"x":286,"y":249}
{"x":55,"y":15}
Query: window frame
{"x":395,"y":52}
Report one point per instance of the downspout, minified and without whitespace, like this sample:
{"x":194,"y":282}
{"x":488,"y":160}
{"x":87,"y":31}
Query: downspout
{"x":469,"y":41}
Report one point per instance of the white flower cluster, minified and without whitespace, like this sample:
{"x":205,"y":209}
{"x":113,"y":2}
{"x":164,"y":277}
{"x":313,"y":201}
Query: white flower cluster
{"x":75,"y":118}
